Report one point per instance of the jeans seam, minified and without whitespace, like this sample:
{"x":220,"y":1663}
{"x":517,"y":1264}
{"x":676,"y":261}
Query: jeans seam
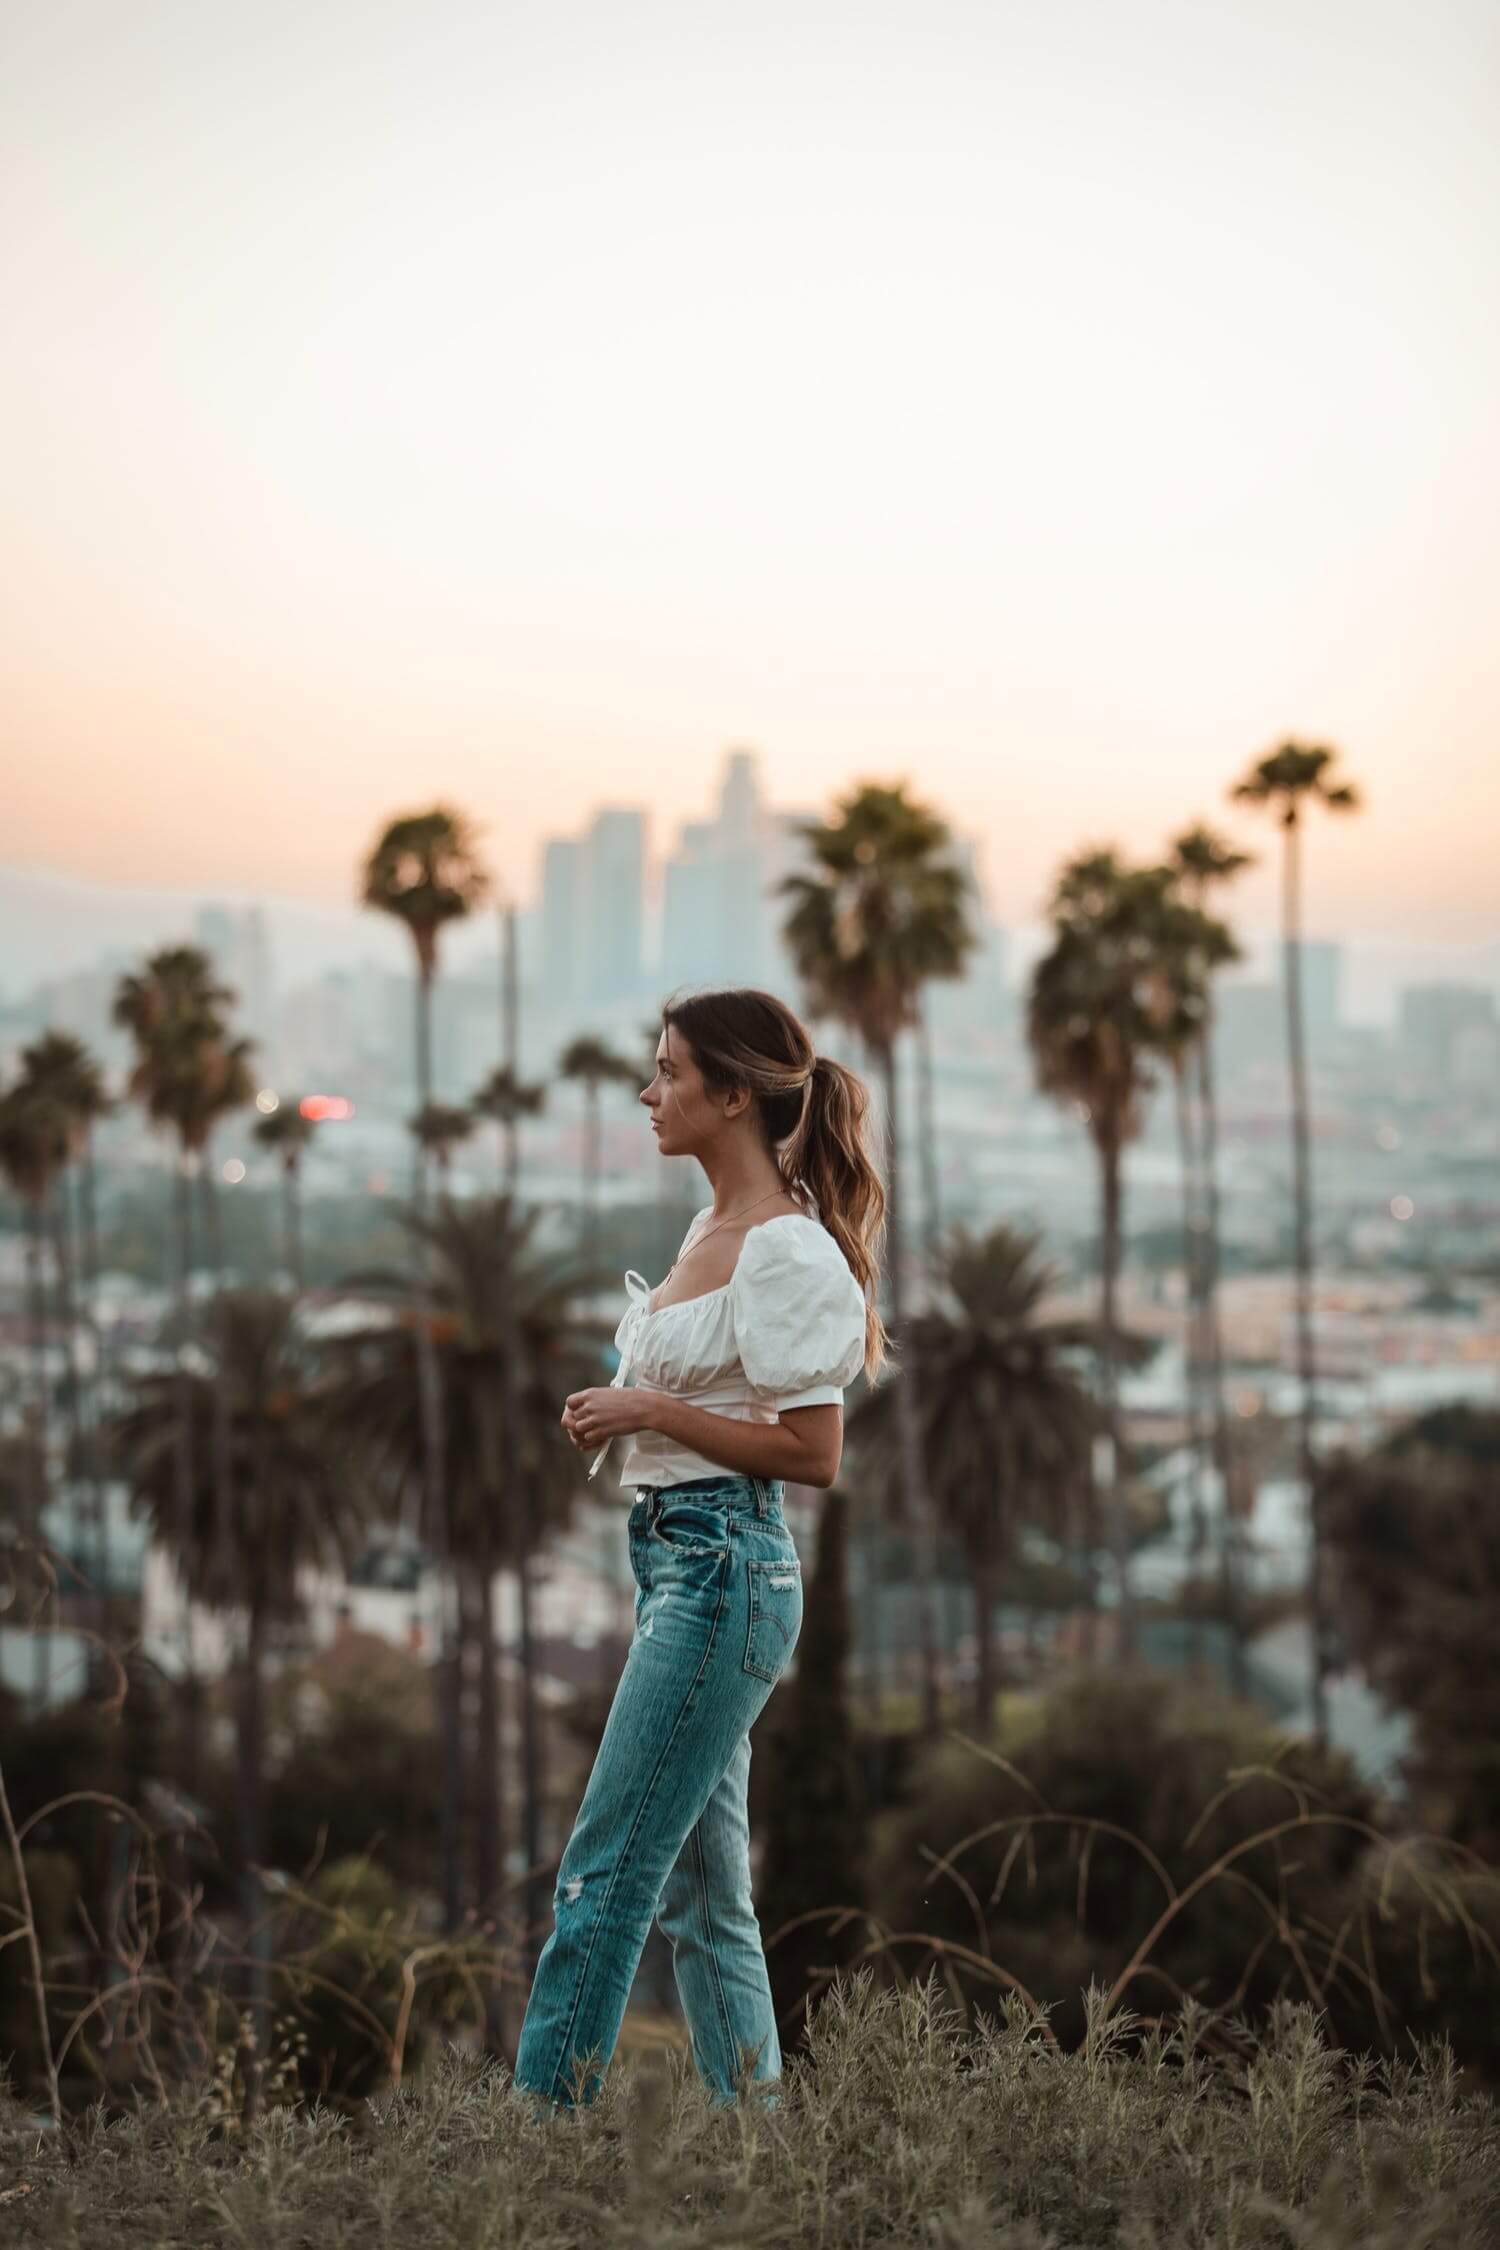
{"x":649,"y":1792}
{"x":713,"y":1952}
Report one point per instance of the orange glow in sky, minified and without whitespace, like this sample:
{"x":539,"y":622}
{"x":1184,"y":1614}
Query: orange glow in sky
{"x":1056,"y":404}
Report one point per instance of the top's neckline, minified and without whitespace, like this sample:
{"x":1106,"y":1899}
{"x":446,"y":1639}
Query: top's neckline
{"x":704,"y":1295}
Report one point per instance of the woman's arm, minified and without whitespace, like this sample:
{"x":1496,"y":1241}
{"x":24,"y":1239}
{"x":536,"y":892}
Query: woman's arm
{"x":805,"y":1446}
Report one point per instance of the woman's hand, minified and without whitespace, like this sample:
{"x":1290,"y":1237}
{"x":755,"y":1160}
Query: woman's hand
{"x":594,"y":1416}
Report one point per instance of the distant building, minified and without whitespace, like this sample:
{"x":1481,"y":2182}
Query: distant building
{"x":1249,"y":1028}
{"x":1322,"y":991}
{"x":1447,"y":1035}
{"x":720,"y":916}
{"x":614,"y":906}
{"x":558,"y":970}
{"x":591,"y":933}
{"x":239,"y":946}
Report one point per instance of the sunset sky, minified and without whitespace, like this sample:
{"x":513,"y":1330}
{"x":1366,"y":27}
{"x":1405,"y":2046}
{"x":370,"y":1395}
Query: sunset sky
{"x":1056,"y":404}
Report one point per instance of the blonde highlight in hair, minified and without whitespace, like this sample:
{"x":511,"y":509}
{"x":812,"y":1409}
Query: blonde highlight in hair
{"x":813,"y":1113}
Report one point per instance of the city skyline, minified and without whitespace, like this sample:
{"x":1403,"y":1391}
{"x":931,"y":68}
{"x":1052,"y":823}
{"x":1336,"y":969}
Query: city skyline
{"x":1054,"y":407}
{"x":71,"y":925}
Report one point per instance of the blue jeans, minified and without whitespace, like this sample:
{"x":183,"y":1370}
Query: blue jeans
{"x":663,"y":1829}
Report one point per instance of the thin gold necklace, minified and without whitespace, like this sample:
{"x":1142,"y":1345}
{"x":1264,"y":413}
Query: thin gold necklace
{"x":724,"y":1223}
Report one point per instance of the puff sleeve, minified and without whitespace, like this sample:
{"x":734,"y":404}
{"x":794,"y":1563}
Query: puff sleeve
{"x":799,"y":1314}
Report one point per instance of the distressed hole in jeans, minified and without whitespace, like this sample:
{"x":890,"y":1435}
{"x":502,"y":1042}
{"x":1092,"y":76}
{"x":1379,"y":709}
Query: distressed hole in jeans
{"x":573,"y":1891}
{"x":649,"y":1627}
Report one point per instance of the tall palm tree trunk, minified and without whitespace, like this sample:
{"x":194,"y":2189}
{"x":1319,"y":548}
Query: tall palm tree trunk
{"x":590,"y":1173}
{"x":1223,"y":1442}
{"x":76,"y":1470}
{"x":183,"y":1463}
{"x":1116,"y":1519}
{"x":510,"y":1043}
{"x":434,"y":1476}
{"x":291,"y":1218}
{"x":479,"y":1602}
{"x":932,"y":1217}
{"x":36,"y":1309}
{"x":88,"y":1185}
{"x":982,"y":1570}
{"x":181,"y":1325}
{"x":489,"y":1795}
{"x":223,"y":1472}
{"x":250,"y":1808}
{"x":913,"y":1466}
{"x":1193,"y":1356}
{"x":519,"y":1511}
{"x":531,"y":1763}
{"x":1302,"y":1180}
{"x":869,"y":1541}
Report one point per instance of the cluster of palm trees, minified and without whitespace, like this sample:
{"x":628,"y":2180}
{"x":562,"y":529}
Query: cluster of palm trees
{"x":257,"y":1452}
{"x":1124,"y":996}
{"x":47,"y":1121}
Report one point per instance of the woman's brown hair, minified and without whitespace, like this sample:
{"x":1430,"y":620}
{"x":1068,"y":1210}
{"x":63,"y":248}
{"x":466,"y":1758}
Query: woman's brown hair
{"x":812,"y":1112}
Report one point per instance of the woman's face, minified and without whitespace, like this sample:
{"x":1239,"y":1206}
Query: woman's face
{"x":683,"y":1114}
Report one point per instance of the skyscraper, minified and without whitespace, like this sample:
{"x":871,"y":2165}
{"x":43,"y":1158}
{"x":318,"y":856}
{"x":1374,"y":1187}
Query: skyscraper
{"x":1322,"y":988}
{"x":614,"y":906}
{"x":557,"y":971}
{"x":238,"y":944}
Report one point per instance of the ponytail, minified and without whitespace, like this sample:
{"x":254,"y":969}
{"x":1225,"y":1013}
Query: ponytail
{"x":814,"y":1113}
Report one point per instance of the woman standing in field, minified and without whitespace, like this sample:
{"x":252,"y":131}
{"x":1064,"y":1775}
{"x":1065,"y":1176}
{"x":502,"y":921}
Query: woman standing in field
{"x":731,"y":1382}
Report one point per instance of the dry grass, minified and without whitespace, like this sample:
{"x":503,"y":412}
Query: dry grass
{"x":898,"y":2126}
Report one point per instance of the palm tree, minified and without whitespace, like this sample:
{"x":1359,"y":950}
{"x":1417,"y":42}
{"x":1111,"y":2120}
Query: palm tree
{"x":286,"y":1132}
{"x":505,"y":1099}
{"x":1194,"y":947}
{"x":1204,"y":861}
{"x":593,"y":1064}
{"x":439,"y":1127}
{"x":1285,"y":783}
{"x":34,"y":1141}
{"x":1106,"y":1003}
{"x":881,"y":912}
{"x":292,"y":1505}
{"x":424,"y":871}
{"x":1006,"y":1417}
{"x":226,"y":1084}
{"x":173,"y":1010}
{"x":65,"y":1067}
{"x":60,"y":1067}
{"x":486,"y":1285}
{"x":188,"y":1072}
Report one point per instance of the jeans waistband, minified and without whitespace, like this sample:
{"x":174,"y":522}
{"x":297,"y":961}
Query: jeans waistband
{"x":767,"y":1492}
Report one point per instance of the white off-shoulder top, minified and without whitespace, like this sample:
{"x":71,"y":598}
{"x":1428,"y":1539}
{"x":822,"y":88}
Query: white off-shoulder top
{"x":787,"y":1329}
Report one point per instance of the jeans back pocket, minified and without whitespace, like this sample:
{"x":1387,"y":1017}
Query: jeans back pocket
{"x":775,"y":1615}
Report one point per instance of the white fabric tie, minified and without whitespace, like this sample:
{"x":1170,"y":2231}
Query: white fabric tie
{"x":640,"y":1294}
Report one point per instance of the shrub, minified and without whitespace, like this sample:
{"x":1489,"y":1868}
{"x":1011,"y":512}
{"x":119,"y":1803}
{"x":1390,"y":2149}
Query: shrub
{"x":1079,"y":1846}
